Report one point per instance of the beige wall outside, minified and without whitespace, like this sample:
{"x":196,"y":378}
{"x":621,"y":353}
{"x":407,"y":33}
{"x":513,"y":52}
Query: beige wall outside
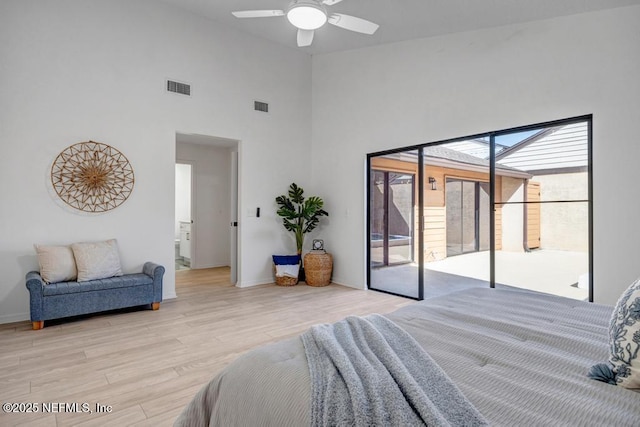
{"x":564,"y":226}
{"x":512,"y":215}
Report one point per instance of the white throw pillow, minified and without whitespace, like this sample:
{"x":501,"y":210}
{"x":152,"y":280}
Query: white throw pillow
{"x":97,"y":260}
{"x":57,"y":263}
{"x":624,"y":338}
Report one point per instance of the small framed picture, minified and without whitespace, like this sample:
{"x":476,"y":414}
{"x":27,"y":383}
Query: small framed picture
{"x":318,"y":245}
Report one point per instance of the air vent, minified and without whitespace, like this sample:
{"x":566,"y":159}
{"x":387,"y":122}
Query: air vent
{"x":261,"y":106}
{"x":177,"y":87}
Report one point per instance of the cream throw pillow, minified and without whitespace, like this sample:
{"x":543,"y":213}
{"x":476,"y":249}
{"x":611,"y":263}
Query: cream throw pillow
{"x":97,"y":260}
{"x":624,"y":338}
{"x":57,"y":263}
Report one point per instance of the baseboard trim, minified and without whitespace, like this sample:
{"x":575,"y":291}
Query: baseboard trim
{"x":12,"y":318}
{"x":21,"y":317}
{"x":247,"y":284}
{"x":269,"y":281}
{"x":341,"y":282}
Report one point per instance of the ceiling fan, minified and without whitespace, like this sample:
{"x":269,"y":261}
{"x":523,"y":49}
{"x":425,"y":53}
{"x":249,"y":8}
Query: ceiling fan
{"x":309,"y":15}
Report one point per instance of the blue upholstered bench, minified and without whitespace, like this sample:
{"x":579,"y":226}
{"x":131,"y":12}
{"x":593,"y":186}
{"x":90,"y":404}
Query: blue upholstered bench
{"x":65,"y":299}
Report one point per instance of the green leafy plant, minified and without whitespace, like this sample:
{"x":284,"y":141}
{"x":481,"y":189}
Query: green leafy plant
{"x":300,"y":215}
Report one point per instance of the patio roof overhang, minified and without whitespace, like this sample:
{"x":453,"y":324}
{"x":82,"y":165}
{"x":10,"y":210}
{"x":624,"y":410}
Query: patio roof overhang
{"x":453,"y":164}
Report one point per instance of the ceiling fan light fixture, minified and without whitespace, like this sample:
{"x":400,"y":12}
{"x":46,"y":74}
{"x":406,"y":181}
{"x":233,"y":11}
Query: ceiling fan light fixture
{"x":307,"y":15}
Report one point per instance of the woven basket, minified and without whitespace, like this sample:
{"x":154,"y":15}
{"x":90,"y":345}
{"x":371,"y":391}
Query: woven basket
{"x":318,"y":269}
{"x":285,"y":280}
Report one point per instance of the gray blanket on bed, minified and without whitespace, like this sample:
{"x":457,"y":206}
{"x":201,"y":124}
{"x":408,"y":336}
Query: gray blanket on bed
{"x":521,"y":358}
{"x":368,"y":371}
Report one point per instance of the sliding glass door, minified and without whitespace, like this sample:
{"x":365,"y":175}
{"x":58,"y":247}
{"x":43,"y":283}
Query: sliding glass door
{"x":545,"y":217}
{"x":392,"y":223}
{"x":467,"y":216}
{"x":455,"y":216}
{"x":510,"y":208}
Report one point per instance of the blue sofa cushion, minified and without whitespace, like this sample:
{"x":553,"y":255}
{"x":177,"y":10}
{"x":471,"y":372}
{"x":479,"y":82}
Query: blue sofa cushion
{"x":126,"y":281}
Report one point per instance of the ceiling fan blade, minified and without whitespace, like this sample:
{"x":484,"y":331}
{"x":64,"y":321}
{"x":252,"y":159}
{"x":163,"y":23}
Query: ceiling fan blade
{"x":257,"y":13}
{"x":331,"y":2}
{"x":305,"y":37}
{"x":352,"y":23}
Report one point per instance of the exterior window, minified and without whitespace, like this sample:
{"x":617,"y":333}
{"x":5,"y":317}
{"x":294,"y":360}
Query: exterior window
{"x":508,"y":208}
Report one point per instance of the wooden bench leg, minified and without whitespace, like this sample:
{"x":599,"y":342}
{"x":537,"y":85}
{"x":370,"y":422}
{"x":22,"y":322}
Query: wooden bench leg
{"x":38,"y":325}
{"x":155,"y":305}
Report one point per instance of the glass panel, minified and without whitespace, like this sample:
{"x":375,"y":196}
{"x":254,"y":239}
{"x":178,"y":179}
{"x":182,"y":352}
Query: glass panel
{"x":456,"y":216}
{"x":377,"y":217}
{"x":468,"y":216}
{"x":559,"y":264}
{"x":400,"y":212}
{"x":541,"y":189}
{"x":542,"y":221}
{"x":483,"y":213}
{"x":392,"y":223}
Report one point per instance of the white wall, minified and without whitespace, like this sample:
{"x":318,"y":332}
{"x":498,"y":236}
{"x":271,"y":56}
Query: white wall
{"x":74,"y":70}
{"x":438,"y":88}
{"x":212,"y":184}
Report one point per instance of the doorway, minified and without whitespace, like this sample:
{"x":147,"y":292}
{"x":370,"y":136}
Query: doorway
{"x":183,"y":222}
{"x":393,"y":221}
{"x":213,"y":223}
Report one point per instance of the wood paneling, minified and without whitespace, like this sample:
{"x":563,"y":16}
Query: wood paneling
{"x":435,"y":233}
{"x":498,"y":213}
{"x":498,"y":216}
{"x":384,"y":164}
{"x":533,"y":215}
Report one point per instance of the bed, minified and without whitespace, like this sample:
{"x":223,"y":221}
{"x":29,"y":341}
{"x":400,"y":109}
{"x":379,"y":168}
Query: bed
{"x":520,"y":358}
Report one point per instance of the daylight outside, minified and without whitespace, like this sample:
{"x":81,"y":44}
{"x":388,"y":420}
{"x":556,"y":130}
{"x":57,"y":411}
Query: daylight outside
{"x":541,"y":215}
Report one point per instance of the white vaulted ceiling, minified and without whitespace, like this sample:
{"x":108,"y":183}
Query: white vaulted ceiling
{"x":398,"y":19}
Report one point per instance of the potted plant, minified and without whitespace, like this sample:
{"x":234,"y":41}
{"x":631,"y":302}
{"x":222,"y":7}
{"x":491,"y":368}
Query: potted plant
{"x":300,"y":215}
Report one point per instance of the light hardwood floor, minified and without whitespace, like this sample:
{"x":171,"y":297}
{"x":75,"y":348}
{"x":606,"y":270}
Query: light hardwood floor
{"x":146,"y":364}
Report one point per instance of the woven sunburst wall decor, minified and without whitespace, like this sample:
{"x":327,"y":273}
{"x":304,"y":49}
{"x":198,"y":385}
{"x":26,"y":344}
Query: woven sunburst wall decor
{"x":92,"y":177}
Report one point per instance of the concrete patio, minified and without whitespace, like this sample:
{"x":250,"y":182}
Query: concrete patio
{"x":549,"y":271}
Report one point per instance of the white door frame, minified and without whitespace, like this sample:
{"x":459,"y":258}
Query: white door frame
{"x":192,"y":239}
{"x":235,"y":158}
{"x":234,"y":246}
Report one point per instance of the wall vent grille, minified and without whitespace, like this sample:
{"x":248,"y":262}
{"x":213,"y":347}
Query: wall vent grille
{"x":177,"y":87}
{"x":261,"y":106}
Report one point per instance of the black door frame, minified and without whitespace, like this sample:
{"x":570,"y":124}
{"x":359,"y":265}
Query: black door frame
{"x":492,"y":195}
